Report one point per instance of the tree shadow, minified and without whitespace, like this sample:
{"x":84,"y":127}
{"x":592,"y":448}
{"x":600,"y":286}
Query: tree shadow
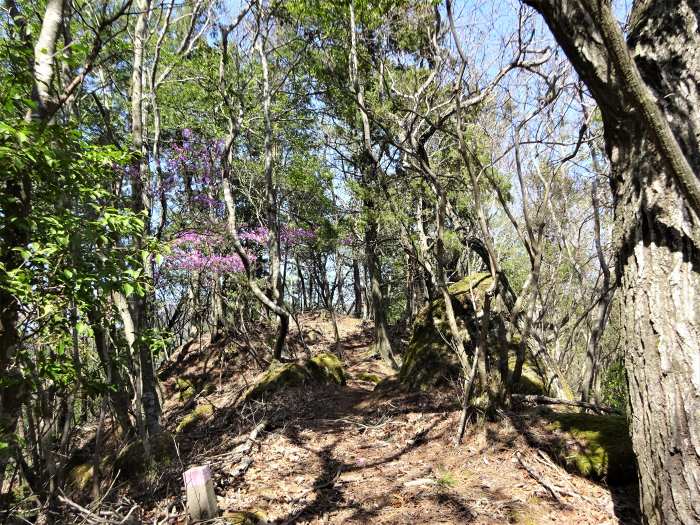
{"x":563,"y":446}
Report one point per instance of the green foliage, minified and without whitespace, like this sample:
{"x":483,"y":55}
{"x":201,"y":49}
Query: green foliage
{"x":614,"y":385}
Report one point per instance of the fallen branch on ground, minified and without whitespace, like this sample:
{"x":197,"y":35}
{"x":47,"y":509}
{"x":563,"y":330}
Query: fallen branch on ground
{"x":245,"y":448}
{"x":105,"y":517}
{"x":544,"y":400}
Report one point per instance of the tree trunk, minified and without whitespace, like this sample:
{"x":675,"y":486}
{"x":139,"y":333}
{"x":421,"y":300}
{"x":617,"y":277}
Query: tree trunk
{"x":15,"y":228}
{"x":142,"y":204}
{"x":381,"y":334}
{"x":117,"y":393}
{"x":358,"y":289}
{"x":657,"y":230}
{"x":276,"y":281}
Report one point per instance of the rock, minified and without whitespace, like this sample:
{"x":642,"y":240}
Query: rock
{"x":420,"y":482}
{"x":429,"y":361}
{"x":370,"y":378}
{"x":327,"y":368}
{"x":185,"y":389}
{"x":80,"y":476}
{"x":321,"y":369}
{"x":242,"y":517}
{"x":200,"y":413}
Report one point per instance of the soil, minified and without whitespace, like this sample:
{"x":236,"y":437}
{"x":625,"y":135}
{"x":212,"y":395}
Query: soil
{"x":348,"y":454}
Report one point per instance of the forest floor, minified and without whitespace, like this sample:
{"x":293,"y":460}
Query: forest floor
{"x":348,"y":454}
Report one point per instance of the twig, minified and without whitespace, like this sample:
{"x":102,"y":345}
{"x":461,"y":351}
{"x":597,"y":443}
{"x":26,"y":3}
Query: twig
{"x":533,"y":473}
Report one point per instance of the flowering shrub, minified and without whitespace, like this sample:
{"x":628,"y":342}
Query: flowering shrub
{"x":288,"y":236}
{"x":198,"y":162}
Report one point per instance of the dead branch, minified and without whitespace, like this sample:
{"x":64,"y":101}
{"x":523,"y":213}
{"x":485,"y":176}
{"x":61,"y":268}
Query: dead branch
{"x":245,"y":448}
{"x":544,"y":400}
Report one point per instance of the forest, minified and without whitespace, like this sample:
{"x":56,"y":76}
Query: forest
{"x":349,"y":261}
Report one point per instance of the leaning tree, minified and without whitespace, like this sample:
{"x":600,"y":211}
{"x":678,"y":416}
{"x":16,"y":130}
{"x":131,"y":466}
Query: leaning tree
{"x":648,"y":91}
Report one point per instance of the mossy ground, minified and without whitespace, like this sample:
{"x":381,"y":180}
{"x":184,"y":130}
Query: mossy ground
{"x":346,"y":454}
{"x":595,"y":446}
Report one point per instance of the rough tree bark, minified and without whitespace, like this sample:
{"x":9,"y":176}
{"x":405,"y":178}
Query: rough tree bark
{"x":651,"y":113}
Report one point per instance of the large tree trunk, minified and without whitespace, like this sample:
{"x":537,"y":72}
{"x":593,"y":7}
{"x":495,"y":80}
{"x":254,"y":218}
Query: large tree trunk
{"x":657,"y":234}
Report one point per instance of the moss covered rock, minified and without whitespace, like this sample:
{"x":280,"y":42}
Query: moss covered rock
{"x":595,"y":446}
{"x":327,"y":368}
{"x":80,"y":476}
{"x":323,"y":368}
{"x":243,"y":517}
{"x":200,"y":413}
{"x":185,"y":389}
{"x":369,"y":377}
{"x":430,"y":361}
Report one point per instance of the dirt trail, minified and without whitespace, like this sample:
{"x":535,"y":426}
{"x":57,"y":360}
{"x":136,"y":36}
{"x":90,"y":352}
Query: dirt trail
{"x":344,"y":454}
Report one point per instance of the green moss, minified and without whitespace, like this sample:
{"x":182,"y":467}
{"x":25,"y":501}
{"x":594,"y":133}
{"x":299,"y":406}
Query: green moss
{"x":476,"y":284}
{"x":245,"y":518}
{"x":531,"y":382}
{"x":81,"y":476}
{"x":185,"y":388}
{"x":200,"y":413}
{"x":430,"y":361}
{"x":277,"y":377}
{"x":598,"y":447}
{"x":327,"y":367}
{"x":323,"y":368}
{"x":366,"y":376}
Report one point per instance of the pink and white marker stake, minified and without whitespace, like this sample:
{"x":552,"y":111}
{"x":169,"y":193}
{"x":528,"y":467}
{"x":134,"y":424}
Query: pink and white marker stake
{"x":201,"y":499}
